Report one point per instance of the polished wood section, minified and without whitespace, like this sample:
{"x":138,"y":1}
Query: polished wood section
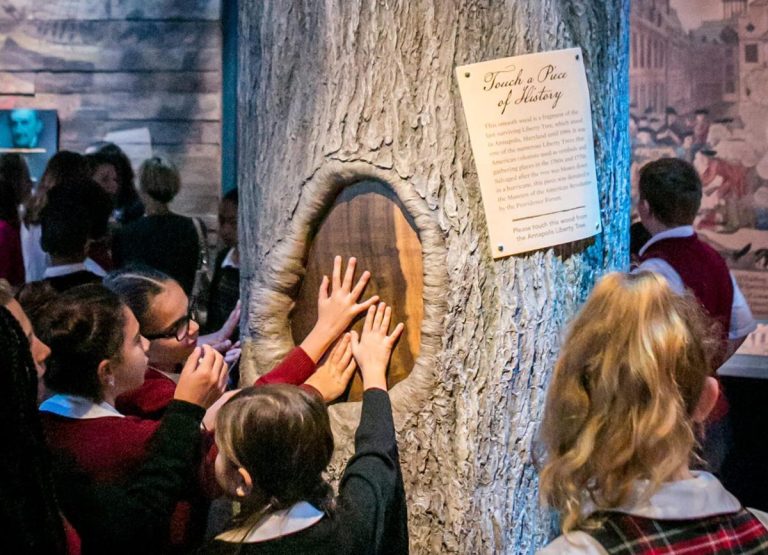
{"x":368,"y":221}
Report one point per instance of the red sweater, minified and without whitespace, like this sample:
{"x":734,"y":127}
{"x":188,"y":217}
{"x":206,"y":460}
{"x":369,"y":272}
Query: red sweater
{"x":703,"y":271}
{"x":110,"y":448}
{"x":151,"y":399}
{"x":706,"y":275}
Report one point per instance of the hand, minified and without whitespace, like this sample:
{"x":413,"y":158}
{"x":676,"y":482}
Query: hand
{"x":203,"y":379}
{"x":332,"y":377}
{"x":219,"y":340}
{"x":232,"y":355}
{"x":374,"y":348}
{"x":336,"y":309}
{"x":209,"y":420}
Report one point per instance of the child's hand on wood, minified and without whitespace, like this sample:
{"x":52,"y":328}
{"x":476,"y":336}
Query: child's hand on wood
{"x":373,"y":348}
{"x":336,"y":308}
{"x":332,"y":377}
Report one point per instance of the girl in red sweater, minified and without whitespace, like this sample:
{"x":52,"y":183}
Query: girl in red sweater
{"x":162,"y":309}
{"x":125,"y":519}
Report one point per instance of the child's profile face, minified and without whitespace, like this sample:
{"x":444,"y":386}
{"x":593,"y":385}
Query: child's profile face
{"x":228,"y":223}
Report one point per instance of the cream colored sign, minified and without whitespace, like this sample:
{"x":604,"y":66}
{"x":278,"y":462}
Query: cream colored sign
{"x":530,"y":126}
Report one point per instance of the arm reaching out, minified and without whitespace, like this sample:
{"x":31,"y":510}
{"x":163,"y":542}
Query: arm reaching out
{"x":373,"y":348}
{"x":336,"y":309}
{"x":331,"y":379}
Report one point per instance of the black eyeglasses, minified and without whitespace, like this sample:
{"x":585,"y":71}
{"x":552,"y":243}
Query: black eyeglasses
{"x":179,"y":330}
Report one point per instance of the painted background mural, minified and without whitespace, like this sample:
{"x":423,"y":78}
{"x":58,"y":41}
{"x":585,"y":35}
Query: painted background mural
{"x":699,"y":91}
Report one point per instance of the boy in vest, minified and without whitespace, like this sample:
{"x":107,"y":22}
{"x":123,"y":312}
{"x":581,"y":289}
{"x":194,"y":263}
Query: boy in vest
{"x":670,"y":195}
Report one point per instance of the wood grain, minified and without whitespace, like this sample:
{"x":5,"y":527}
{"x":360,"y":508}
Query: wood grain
{"x":367,"y":221}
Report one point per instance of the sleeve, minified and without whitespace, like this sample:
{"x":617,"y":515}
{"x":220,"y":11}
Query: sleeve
{"x":148,"y":401}
{"x":295,"y":369}
{"x":136,"y":516}
{"x":371,"y":504}
{"x":742,"y":321}
{"x":576,"y":543}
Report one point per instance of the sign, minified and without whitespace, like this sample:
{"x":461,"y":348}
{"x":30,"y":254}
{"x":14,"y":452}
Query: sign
{"x":530,"y":126}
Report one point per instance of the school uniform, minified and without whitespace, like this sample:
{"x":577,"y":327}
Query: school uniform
{"x":370,"y":514}
{"x":687,"y":263}
{"x":697,"y":515}
{"x":132,"y":518}
{"x":108,"y":447}
{"x":67,"y":276}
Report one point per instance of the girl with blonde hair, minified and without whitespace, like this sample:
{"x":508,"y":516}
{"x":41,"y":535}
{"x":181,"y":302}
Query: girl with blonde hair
{"x":629,"y":392}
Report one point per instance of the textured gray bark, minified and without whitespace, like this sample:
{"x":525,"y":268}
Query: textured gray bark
{"x":370,"y":84}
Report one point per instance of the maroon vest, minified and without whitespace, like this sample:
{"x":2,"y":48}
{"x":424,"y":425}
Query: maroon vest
{"x":703,"y":271}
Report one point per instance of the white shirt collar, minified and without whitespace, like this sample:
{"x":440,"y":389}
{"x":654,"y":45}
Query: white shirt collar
{"x":672,"y":233}
{"x":697,"y":497}
{"x":79,"y":408}
{"x":300,"y":516}
{"x":64,"y":270}
{"x":229,"y":260}
{"x":92,"y":266}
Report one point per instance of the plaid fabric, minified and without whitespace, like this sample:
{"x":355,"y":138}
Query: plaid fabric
{"x":731,"y":533}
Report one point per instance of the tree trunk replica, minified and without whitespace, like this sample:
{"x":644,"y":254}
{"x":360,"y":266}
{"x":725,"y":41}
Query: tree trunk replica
{"x":340,"y":92}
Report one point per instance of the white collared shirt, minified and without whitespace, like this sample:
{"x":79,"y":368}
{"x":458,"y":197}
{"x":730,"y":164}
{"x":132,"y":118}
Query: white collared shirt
{"x":94,"y":267}
{"x":742,"y":321}
{"x":79,"y":408}
{"x":64,"y":270}
{"x":298,"y":517}
{"x":698,"y":497}
{"x":229,"y":260}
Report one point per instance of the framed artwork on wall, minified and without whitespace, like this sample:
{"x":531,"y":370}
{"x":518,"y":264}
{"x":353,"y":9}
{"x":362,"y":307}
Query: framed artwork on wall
{"x":32,"y":133}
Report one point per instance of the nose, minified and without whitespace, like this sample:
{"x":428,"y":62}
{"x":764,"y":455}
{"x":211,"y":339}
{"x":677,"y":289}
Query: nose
{"x":144,"y":344}
{"x":194,"y":328}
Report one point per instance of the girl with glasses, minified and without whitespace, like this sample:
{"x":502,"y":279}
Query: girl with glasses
{"x":162,"y":309}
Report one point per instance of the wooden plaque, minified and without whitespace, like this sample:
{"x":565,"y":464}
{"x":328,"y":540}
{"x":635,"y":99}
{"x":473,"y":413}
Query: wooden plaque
{"x":368,"y":221}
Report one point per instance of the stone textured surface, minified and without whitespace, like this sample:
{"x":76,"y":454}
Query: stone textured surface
{"x":367,"y":87}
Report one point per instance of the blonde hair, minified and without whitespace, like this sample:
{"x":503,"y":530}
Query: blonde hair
{"x":618,"y":408}
{"x":159,"y":179}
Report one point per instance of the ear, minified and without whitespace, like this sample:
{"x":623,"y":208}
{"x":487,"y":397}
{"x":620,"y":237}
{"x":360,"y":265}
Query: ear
{"x":709,"y":394}
{"x":104,"y":372}
{"x":244,"y":483}
{"x":643,"y":208}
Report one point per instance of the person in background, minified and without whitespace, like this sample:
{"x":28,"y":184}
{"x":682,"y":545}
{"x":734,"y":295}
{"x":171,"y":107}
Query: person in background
{"x":286,"y":505}
{"x":225,"y":283}
{"x":670,"y":196}
{"x":73,"y":213}
{"x":161,"y":239}
{"x":63,"y":167}
{"x":631,"y":387}
{"x":15,"y":187}
{"x":128,"y":205}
